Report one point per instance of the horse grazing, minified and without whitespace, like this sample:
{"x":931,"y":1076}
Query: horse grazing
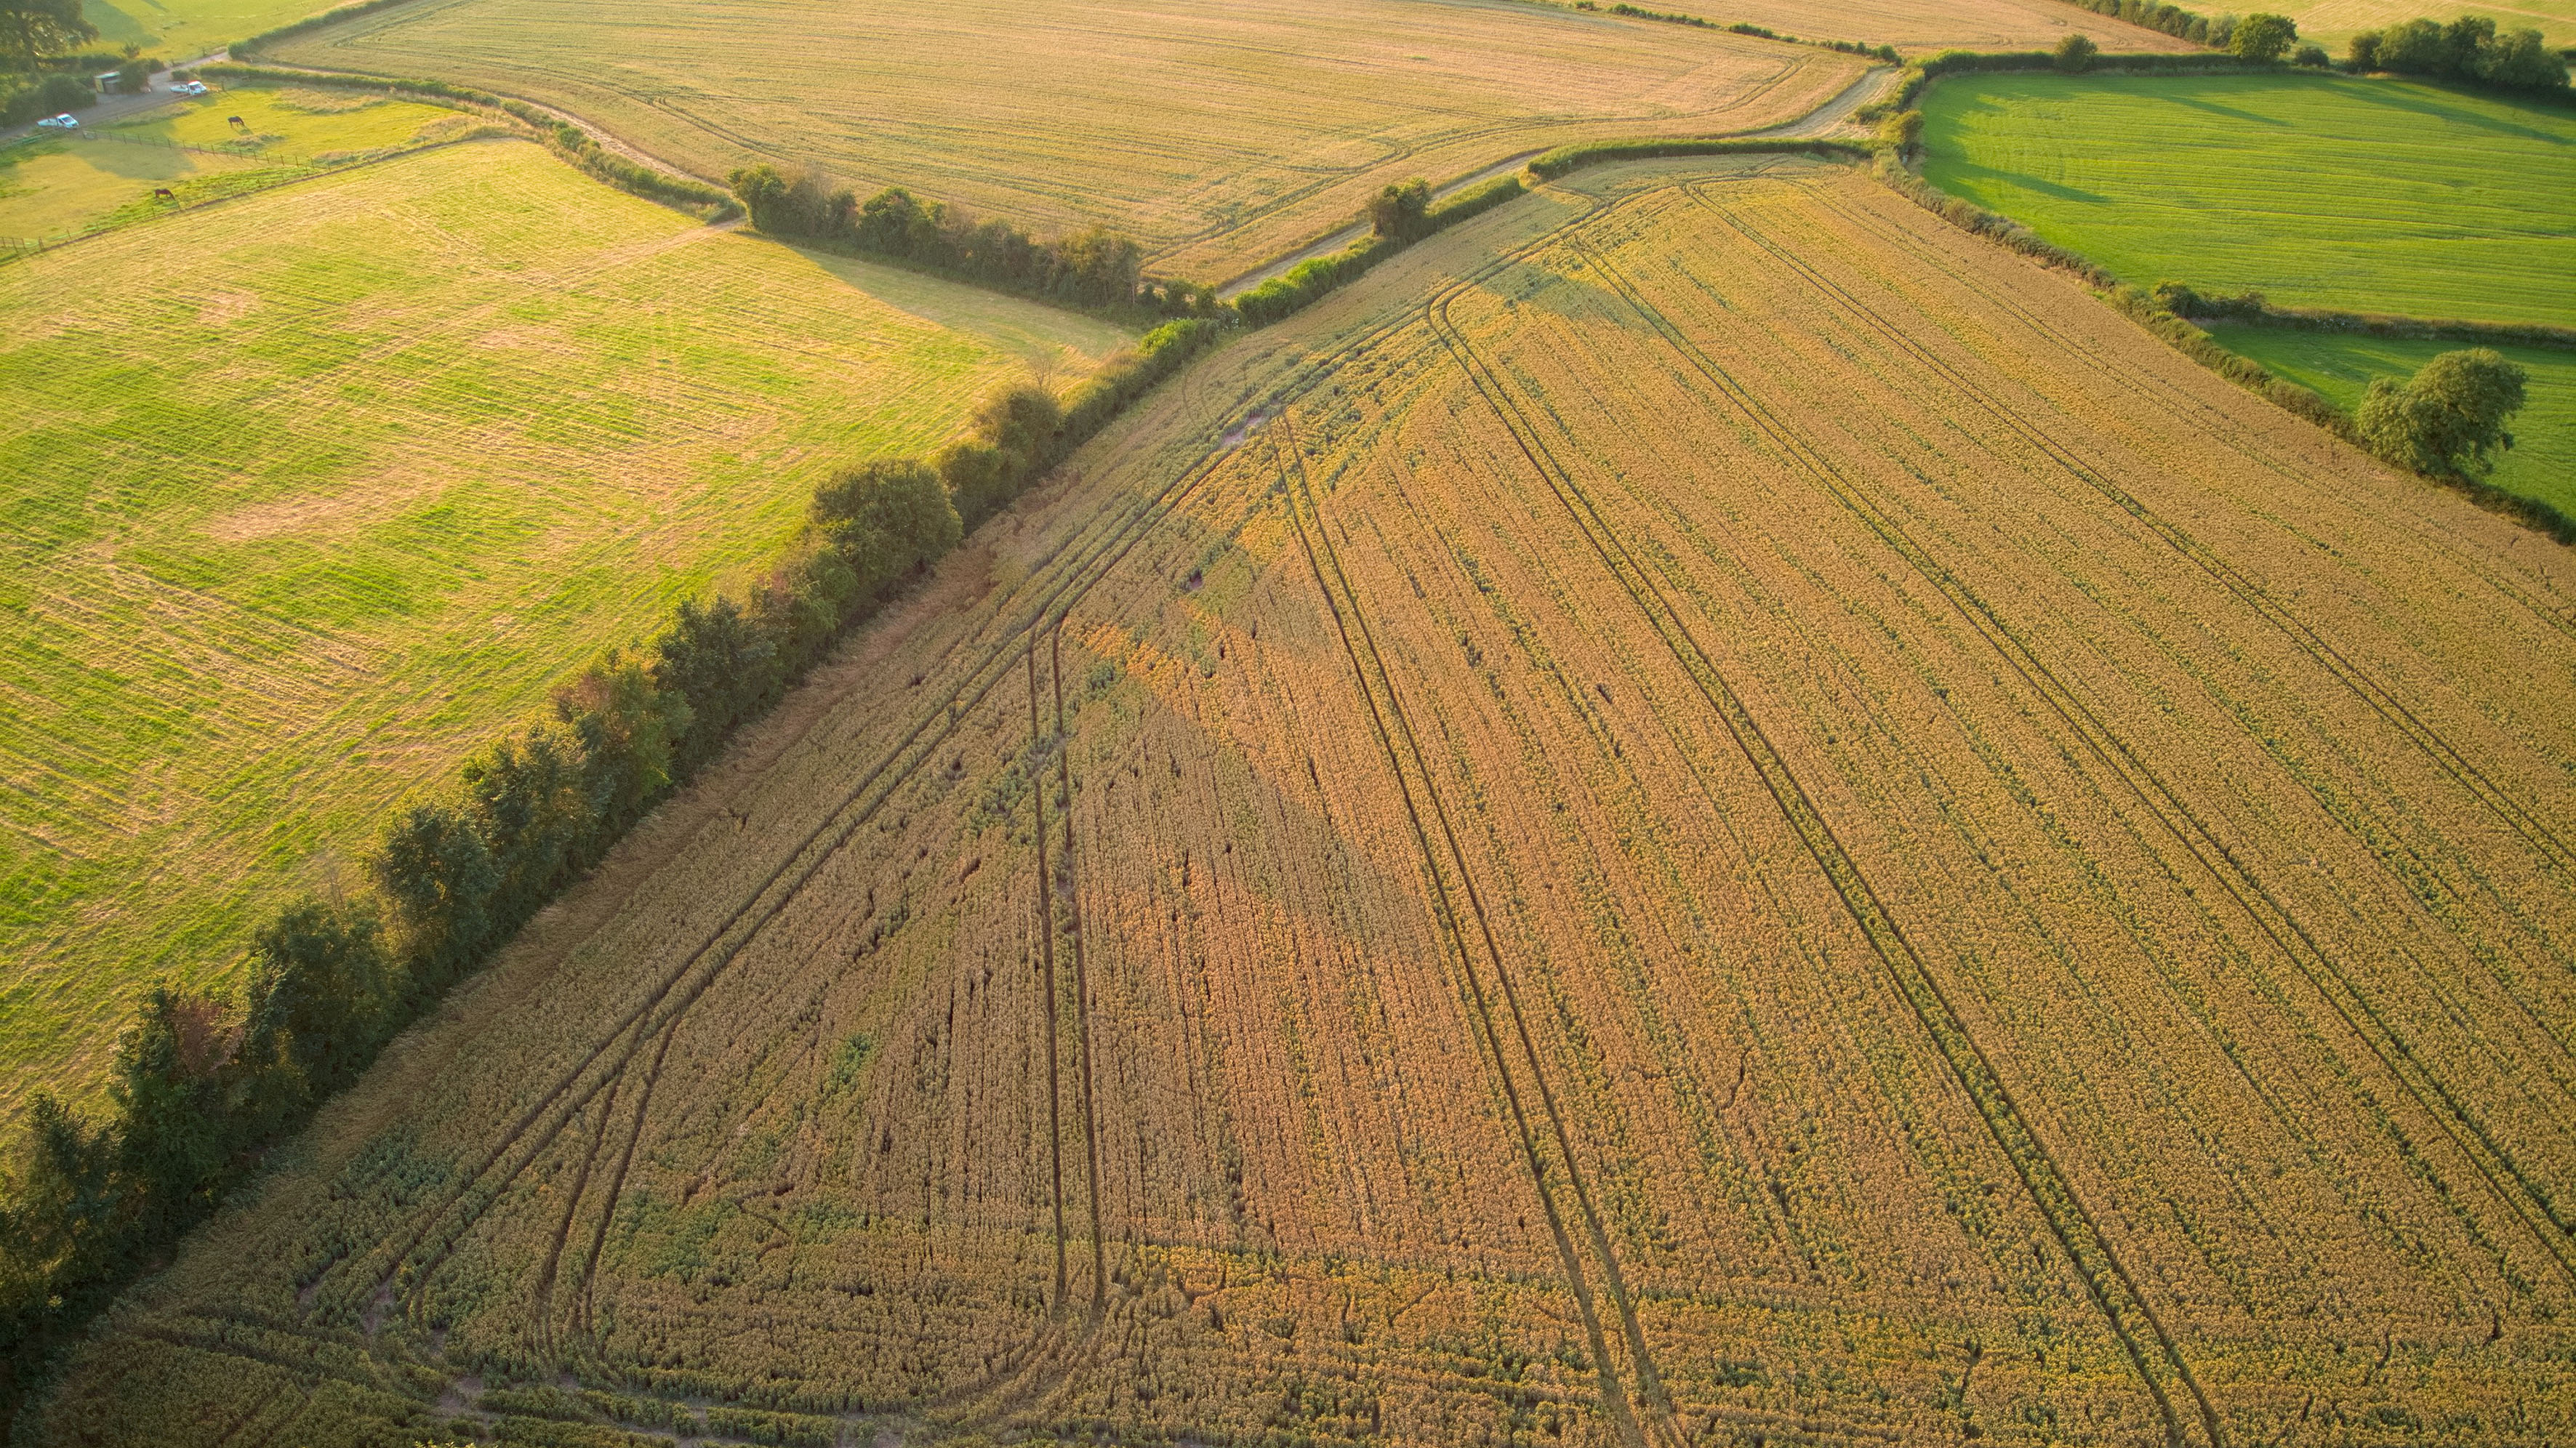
{"x":236,"y":123}
{"x":163,"y":192}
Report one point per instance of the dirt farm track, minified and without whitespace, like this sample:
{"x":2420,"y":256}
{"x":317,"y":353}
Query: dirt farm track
{"x":1706,"y":811}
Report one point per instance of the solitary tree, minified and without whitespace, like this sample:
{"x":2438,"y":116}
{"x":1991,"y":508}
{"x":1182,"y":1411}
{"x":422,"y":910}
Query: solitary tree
{"x":2075,"y":53}
{"x":1401,"y":211}
{"x":34,"y":28}
{"x":2448,"y":420}
{"x":2263,"y":37}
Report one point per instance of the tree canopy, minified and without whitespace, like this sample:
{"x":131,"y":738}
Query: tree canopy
{"x":2263,"y":37}
{"x":2448,"y":420}
{"x":36,"y":28}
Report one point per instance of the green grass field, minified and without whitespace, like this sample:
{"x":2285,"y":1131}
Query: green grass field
{"x":1220,"y":137}
{"x":2363,"y":195}
{"x":2542,"y":464}
{"x":186,"y":29}
{"x":312,"y":491}
{"x":58,"y":186}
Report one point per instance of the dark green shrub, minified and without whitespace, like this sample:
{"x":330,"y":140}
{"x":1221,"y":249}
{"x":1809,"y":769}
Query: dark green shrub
{"x":1401,"y":211}
{"x":2261,"y":37}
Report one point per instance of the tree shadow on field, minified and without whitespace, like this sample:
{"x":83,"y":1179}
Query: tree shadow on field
{"x":2386,"y":94}
{"x":1567,"y":290}
{"x":2230,"y":112}
{"x":1971,"y":171}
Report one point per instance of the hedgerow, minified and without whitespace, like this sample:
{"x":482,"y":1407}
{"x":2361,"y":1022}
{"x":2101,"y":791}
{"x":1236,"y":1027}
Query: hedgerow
{"x":1402,"y":216}
{"x":1565,"y":159}
{"x":1097,"y":269}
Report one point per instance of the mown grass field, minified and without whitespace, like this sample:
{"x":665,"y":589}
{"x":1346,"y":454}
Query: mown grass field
{"x":182,"y":30}
{"x":1922,"y":27}
{"x":2542,"y":463}
{"x":1220,"y":138}
{"x":314,"y":490}
{"x":1703,"y":809}
{"x":108,"y":176}
{"x":2363,"y":195}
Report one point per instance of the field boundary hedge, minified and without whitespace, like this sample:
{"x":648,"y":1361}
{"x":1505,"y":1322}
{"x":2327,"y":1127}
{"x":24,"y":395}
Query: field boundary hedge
{"x":2153,"y":310}
{"x":1306,"y":283}
{"x":2251,"y":307}
{"x":204,"y":1085}
{"x":1567,"y":159}
{"x":681,"y":192}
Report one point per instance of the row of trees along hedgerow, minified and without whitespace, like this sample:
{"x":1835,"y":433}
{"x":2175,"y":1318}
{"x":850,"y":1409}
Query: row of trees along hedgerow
{"x":203,"y":1081}
{"x":2468,"y":51}
{"x":1094,"y":268}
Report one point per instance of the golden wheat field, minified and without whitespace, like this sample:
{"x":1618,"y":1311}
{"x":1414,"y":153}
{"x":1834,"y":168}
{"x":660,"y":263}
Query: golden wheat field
{"x":1925,"y":26}
{"x":1704,"y":812}
{"x":1218,"y":137}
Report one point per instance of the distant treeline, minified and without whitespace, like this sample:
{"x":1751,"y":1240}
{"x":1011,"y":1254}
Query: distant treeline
{"x":2465,"y":52}
{"x":204,"y":1081}
{"x":2468,"y":51}
{"x":1095,"y":268}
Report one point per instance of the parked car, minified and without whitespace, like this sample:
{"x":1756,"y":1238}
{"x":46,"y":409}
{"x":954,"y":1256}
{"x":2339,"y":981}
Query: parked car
{"x":189,"y":88}
{"x":64,"y":122}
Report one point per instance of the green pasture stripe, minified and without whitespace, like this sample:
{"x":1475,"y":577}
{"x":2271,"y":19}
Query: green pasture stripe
{"x":2319,"y":191}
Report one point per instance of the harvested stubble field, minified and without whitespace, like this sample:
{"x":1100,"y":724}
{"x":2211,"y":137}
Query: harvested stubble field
{"x":1759,"y":822}
{"x":1921,"y":27}
{"x":2363,"y":195}
{"x":1218,"y":137}
{"x":314,"y":490}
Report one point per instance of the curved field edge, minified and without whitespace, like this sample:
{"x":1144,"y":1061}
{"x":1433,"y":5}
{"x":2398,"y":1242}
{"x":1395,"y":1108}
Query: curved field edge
{"x":1162,"y":631}
{"x":1271,"y":116}
{"x":321,"y":511}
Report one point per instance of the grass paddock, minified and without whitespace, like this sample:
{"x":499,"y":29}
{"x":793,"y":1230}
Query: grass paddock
{"x":2318,"y":191}
{"x":314,"y":491}
{"x":2542,"y":463}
